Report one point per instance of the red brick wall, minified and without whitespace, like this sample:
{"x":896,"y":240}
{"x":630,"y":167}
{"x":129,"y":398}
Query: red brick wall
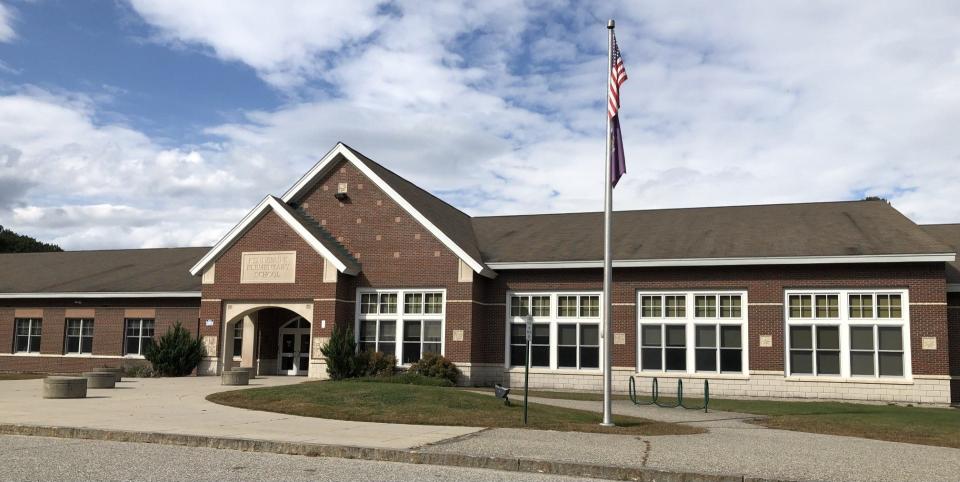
{"x":953,"y":316}
{"x":764,"y":284}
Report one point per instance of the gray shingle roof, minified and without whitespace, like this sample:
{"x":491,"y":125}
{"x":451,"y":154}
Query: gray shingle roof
{"x":778,"y":230}
{"x":120,"y":271}
{"x":950,"y":235}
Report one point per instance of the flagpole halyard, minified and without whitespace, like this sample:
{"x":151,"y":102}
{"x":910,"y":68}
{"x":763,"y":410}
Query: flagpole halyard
{"x":607,"y":266}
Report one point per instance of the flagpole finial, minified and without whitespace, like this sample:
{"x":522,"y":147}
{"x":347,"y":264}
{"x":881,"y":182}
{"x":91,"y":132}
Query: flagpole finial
{"x":611,"y":24}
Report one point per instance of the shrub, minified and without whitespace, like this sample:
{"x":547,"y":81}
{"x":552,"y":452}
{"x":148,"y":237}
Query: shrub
{"x":340,"y":354}
{"x":140,"y":371}
{"x":375,"y":364}
{"x":176,"y":353}
{"x":408,"y":378}
{"x":435,"y":365}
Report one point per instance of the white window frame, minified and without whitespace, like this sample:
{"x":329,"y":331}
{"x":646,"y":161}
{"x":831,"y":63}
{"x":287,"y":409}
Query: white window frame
{"x":400,"y":316}
{"x":66,"y":336}
{"x":140,"y":337}
{"x":845,"y":322}
{"x":690,"y":321}
{"x":237,"y":355}
{"x":553,"y":320}
{"x":30,"y":334}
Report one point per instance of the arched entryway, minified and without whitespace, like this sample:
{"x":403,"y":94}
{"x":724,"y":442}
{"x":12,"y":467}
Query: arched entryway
{"x":271,"y":338}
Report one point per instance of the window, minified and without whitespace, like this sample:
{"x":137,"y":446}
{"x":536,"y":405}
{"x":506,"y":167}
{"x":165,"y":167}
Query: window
{"x":404,"y":323}
{"x":864,"y":338}
{"x":706,"y":337}
{"x":238,"y":339}
{"x":140,"y":335}
{"x":27,"y":334}
{"x":79,"y":339}
{"x":567,"y":339}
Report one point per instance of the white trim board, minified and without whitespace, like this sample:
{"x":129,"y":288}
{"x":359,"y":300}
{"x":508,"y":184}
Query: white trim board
{"x":321,"y":168}
{"x":271,"y":203}
{"x":640,"y":263}
{"x":104,"y":294}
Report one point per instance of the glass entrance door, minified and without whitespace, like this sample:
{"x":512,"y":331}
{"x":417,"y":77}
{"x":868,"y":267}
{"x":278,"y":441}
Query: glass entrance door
{"x":295,"y":347}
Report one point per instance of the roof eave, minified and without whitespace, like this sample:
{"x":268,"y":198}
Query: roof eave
{"x":743,"y":261}
{"x":103,"y":294}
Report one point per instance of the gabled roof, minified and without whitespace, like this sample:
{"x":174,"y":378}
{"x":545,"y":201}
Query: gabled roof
{"x":100,"y":274}
{"x":448,"y":224}
{"x":324,"y":245}
{"x":830,"y":232}
{"x":950,"y":235}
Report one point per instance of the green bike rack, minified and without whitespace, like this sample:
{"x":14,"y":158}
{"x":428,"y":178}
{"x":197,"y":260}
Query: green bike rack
{"x":655,"y":395}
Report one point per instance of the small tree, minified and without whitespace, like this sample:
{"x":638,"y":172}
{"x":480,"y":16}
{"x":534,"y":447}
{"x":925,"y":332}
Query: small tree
{"x":341,"y":353}
{"x":176,"y":353}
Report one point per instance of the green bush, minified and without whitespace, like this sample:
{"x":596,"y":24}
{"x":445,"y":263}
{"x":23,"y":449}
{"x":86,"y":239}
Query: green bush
{"x":340,"y":354}
{"x":435,"y":365}
{"x":408,"y":378}
{"x":176,"y":353}
{"x":375,"y":364}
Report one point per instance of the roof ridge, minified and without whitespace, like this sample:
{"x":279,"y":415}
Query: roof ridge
{"x":101,"y":250}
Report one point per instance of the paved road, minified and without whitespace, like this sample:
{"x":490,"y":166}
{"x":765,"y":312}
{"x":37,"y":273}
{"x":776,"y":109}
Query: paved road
{"x":53,"y":459}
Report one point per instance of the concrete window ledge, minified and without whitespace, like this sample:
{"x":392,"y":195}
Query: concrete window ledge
{"x":876,"y":381}
{"x":698,"y":376}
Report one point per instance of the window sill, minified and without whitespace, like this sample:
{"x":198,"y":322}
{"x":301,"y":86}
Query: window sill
{"x":879,"y":381}
{"x":79,"y":355}
{"x":25,"y":353}
{"x":134,"y":357}
{"x":555,"y":371}
{"x":699,"y":376}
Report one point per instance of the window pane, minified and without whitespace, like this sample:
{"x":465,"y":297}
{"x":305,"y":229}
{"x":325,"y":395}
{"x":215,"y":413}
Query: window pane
{"x":433,"y":303}
{"x":861,"y":338}
{"x":855,"y":306}
{"x":567,"y":357}
{"x":86,"y":344}
{"x":731,"y":360}
{"x":541,"y":334}
{"x":23,"y":327}
{"x":895,"y":309}
{"x":133,"y":346}
{"x":589,"y":357}
{"x":368,"y":303}
{"x":891,"y":338}
{"x":237,"y":346}
{"x":432,"y":331}
{"x":676,"y":306}
{"x":676,"y":335}
{"x":73,"y":327}
{"x":589,"y":306}
{"x":676,"y":358}
{"x":411,"y":331}
{"x":388,"y":303}
{"x":567,"y":335}
{"x":566,"y":306}
{"x":866,"y":303}
{"x":891,"y":364}
{"x":86,"y":328}
{"x":861,"y":362}
{"x":730,"y":337}
{"x":540,"y":356}
{"x":22,"y":342}
{"x":518,"y":355}
{"x":73,"y":344}
{"x":801,"y":362}
{"x":828,"y":362}
{"x":431,"y":347}
{"x":35,"y":343}
{"x":413,"y":303}
{"x":133,"y":327}
{"x":540,"y":306}
{"x":650,"y":307}
{"x":706,"y":336}
{"x":828,"y":306}
{"x":706,"y":306}
{"x":388,"y":331}
{"x":828,"y":338}
{"x":411,"y":352}
{"x":730,"y":306}
{"x":650,"y":359}
{"x":795,"y":306}
{"x":651,"y":335}
{"x":801,"y":337}
{"x":706,"y":360}
{"x":518,"y":334}
{"x":519,"y":306}
{"x":589,"y":335}
{"x":368,"y":330}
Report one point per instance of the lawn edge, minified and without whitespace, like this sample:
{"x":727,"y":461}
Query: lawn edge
{"x":413,"y":456}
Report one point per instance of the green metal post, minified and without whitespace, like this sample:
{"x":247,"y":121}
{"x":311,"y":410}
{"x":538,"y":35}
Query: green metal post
{"x":526,"y":381}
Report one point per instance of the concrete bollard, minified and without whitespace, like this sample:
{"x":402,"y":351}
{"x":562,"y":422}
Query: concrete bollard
{"x":117,"y":372}
{"x":250,"y":374}
{"x":100,"y":379}
{"x":64,"y":387}
{"x":232,"y":377}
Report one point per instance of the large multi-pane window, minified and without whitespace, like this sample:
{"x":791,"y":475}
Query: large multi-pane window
{"x":27,"y":335}
{"x":565,"y":331}
{"x":405,"y":323}
{"x":847,"y":333}
{"x":79,"y":339}
{"x":691,"y":332}
{"x":139,"y":335}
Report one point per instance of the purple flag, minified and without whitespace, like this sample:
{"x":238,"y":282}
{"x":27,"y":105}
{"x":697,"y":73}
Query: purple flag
{"x":618,"y":164}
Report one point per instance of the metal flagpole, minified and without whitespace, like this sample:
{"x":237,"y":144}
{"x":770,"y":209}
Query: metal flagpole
{"x":607,"y":268}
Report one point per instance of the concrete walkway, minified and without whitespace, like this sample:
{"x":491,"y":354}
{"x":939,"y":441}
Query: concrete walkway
{"x":731,"y":446}
{"x":178,"y":406}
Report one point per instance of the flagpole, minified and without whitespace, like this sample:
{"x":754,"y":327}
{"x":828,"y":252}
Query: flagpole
{"x":607,"y":267}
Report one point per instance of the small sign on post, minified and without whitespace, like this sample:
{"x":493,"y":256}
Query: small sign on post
{"x":526,"y":371}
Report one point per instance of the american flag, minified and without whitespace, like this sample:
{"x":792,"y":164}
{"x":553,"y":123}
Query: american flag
{"x":618,"y":75}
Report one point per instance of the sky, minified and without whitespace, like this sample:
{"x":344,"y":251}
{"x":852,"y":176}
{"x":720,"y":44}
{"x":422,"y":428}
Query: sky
{"x":154,"y":123}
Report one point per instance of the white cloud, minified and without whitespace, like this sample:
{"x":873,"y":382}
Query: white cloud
{"x":6,"y":24}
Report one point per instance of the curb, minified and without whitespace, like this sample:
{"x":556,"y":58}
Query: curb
{"x":374,"y":454}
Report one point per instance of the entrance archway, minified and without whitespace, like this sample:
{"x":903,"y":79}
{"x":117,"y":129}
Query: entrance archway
{"x":262,"y":337}
{"x":294,"y":347}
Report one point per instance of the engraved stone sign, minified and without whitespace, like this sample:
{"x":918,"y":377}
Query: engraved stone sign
{"x":318,"y":342}
{"x":619,"y":338}
{"x":457,"y":335}
{"x":268,"y":267}
{"x":210,"y":345}
{"x":766,"y":341}
{"x":929,"y":342}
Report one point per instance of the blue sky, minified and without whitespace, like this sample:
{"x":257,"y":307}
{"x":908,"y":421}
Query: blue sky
{"x":161,"y":122}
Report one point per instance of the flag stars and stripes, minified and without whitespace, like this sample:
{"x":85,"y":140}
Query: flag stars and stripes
{"x":618,"y":75}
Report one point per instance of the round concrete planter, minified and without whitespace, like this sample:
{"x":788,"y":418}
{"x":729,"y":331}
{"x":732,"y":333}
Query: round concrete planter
{"x":100,"y":379}
{"x":64,"y":387}
{"x":233,"y":377}
{"x":250,"y":374}
{"x":117,"y":372}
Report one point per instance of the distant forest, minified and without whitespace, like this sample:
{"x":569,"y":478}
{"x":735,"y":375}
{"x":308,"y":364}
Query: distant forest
{"x":11,"y":242}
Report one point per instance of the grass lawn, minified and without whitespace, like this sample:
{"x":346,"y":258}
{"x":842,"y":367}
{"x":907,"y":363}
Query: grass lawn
{"x":20,"y":376}
{"x":426,"y":405}
{"x":928,"y":426}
